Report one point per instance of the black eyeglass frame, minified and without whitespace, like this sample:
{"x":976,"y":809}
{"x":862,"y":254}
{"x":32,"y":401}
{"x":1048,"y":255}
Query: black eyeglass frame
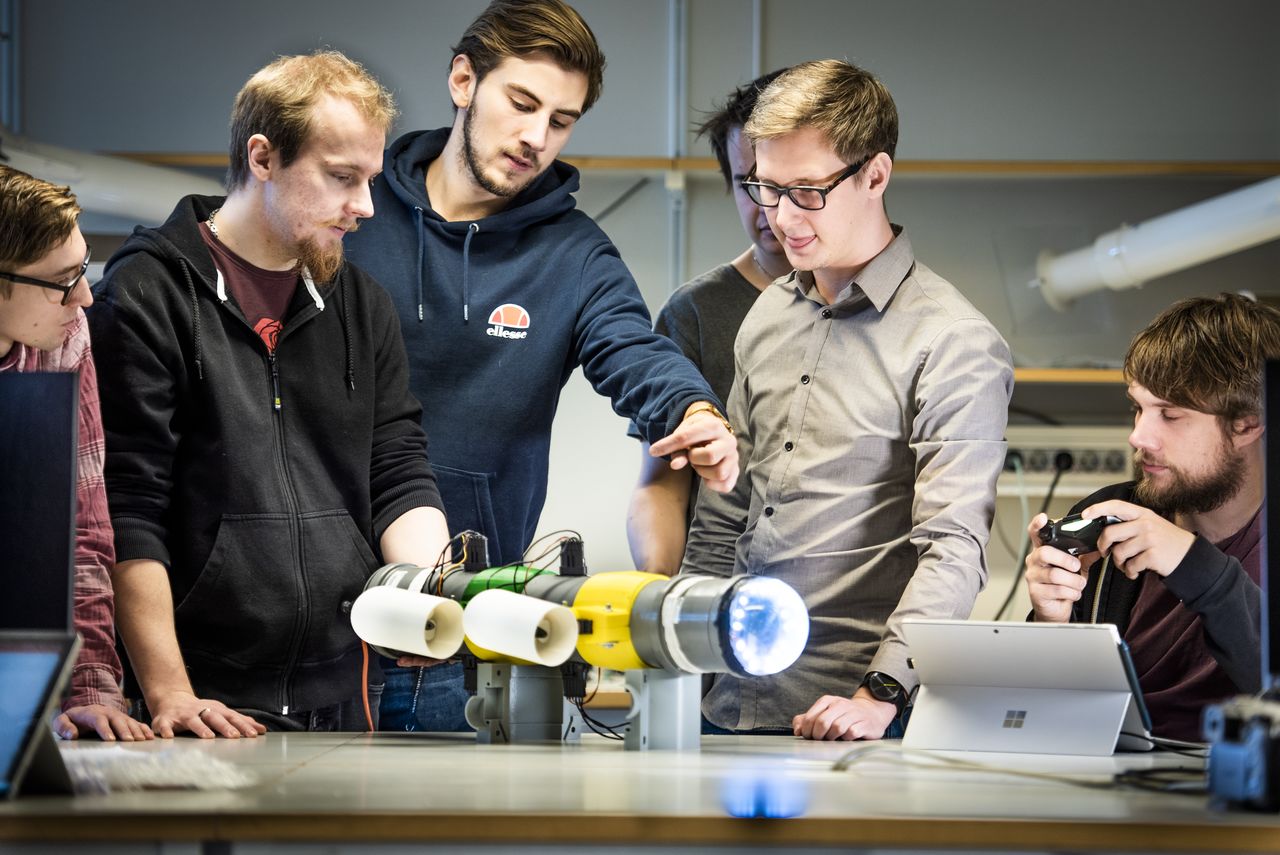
{"x":753,"y":187}
{"x":67,"y":289}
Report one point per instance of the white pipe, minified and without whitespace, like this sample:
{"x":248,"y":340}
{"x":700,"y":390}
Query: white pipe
{"x":107,"y":185}
{"x":1131,"y":255}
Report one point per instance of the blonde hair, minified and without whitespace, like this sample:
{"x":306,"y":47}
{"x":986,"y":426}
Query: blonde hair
{"x":277,"y":102}
{"x":847,"y":104}
{"x":35,"y":217}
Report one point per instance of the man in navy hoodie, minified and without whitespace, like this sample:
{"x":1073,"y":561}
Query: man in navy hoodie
{"x":264,"y":454}
{"x":503,"y":288}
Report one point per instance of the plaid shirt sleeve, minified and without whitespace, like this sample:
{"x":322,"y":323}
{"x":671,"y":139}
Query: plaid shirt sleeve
{"x":96,"y":676}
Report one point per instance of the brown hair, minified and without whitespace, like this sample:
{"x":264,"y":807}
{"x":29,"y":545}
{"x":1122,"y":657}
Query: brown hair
{"x":522,"y":27}
{"x":733,"y":114}
{"x":35,"y":217}
{"x":847,"y":104}
{"x":277,"y":102}
{"x":1207,"y":354}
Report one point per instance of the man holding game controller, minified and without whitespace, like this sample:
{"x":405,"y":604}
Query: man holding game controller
{"x":1192,"y":516}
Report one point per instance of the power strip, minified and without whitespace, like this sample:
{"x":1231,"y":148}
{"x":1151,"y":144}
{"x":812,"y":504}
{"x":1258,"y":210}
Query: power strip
{"x":1099,"y":455}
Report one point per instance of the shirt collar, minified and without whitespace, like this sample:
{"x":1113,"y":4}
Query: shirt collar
{"x":876,"y":282}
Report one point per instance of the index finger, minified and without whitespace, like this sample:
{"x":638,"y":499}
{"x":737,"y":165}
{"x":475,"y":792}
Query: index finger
{"x":1113,"y":507}
{"x":692,"y":431}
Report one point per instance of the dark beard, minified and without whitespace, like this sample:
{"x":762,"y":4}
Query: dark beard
{"x":1193,"y":496}
{"x":472,"y":162}
{"x":323,"y":265}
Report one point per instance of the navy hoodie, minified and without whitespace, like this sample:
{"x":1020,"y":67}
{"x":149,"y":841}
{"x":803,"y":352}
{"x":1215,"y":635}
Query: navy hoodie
{"x":267,"y":516}
{"x":496,"y":314}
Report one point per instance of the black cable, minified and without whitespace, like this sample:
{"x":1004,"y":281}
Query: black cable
{"x":1061,"y":463}
{"x":1035,"y":415}
{"x":597,"y":727}
{"x":1169,"y":780}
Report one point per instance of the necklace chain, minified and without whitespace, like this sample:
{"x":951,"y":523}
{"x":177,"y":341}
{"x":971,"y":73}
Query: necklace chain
{"x":213,"y":227}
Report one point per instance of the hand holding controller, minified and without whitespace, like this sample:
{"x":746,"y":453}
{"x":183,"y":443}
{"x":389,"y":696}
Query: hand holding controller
{"x":1074,"y":534}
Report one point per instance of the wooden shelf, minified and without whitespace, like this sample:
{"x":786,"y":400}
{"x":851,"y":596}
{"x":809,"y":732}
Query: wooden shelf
{"x":1088,"y":376}
{"x":934,"y":168}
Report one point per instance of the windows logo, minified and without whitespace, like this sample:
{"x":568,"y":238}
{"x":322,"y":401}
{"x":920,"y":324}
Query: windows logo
{"x":1014,"y":719}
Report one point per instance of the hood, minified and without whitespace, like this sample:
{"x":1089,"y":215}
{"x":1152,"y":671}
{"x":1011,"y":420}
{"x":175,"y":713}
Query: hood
{"x":177,"y":244}
{"x":405,"y":167}
{"x":176,"y":241}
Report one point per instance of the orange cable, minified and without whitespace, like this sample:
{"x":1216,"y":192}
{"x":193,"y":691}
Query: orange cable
{"x":364,"y":684}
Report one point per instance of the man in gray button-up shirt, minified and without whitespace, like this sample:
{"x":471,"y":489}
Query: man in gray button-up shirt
{"x":871,"y":399}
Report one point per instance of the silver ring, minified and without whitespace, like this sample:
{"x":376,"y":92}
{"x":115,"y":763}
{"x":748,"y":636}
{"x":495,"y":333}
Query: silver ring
{"x":200,"y":715}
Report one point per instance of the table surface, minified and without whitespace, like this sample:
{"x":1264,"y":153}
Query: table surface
{"x":442,"y":787}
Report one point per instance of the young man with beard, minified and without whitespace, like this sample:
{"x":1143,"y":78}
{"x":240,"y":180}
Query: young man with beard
{"x":264,"y":454}
{"x":873,"y":399}
{"x":43,"y":295}
{"x":1179,"y":573}
{"x":504,"y":288}
{"x":703,"y":317}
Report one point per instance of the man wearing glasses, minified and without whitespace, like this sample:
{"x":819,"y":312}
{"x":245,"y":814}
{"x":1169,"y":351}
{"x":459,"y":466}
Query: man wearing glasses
{"x":702,"y":317}
{"x":43,"y":294}
{"x":872,"y":399}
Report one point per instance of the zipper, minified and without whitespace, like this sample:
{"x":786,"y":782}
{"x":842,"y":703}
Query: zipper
{"x":275,"y":381}
{"x":284,"y":689}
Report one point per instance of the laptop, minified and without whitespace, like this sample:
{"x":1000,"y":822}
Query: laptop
{"x":1035,"y":688}
{"x":38,"y":429}
{"x":35,"y":667}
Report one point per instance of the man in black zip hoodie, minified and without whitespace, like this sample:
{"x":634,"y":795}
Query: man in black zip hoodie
{"x":1179,"y":572}
{"x":264,"y":453}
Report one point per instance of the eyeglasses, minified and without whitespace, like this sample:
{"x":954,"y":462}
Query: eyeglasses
{"x":768,"y":195}
{"x":65,"y":288}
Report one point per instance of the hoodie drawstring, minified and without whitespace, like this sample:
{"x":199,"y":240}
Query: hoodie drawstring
{"x":195,"y":317}
{"x":466,"y":272}
{"x":422,"y":242}
{"x":466,"y":265}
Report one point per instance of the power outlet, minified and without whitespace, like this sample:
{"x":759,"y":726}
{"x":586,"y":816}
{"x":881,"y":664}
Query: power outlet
{"x":1099,"y":455}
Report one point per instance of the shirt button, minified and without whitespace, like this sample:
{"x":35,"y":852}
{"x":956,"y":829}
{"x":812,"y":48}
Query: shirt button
{"x":826,"y":313}
{"x":804,"y":378}
{"x":768,"y":511}
{"x":789,"y":445}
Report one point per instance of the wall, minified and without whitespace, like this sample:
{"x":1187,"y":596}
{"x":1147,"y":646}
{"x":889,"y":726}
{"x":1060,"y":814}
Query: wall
{"x":983,"y":79}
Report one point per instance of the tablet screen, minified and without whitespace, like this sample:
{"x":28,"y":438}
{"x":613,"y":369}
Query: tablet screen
{"x":29,"y":684}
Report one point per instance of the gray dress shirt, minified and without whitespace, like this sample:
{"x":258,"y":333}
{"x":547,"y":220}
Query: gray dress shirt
{"x":871,"y":433}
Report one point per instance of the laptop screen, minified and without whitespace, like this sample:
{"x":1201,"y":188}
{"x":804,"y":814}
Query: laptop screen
{"x":34,"y":667}
{"x":37,"y":499}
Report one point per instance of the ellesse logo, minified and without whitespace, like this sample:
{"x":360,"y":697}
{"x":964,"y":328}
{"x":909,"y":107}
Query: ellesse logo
{"x":509,"y":321}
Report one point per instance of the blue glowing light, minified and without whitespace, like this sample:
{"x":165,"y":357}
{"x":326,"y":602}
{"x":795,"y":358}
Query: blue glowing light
{"x":769,"y":627}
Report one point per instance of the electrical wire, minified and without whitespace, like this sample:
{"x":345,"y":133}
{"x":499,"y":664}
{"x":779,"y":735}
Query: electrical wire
{"x":364,"y":682}
{"x":1171,"y":779}
{"x":1198,"y":750}
{"x":1017,"y":575}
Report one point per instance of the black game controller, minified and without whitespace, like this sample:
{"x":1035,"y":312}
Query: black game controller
{"x":1075,"y":535}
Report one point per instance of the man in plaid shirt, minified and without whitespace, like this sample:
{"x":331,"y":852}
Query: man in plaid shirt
{"x":43,"y":294}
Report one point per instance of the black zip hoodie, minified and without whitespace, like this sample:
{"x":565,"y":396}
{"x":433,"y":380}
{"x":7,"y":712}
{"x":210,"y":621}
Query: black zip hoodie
{"x":263,"y":483}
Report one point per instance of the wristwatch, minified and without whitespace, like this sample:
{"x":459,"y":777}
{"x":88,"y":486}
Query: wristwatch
{"x":884,"y":688}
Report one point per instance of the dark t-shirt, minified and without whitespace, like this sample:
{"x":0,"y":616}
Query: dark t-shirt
{"x":1177,"y":671}
{"x":702,"y":317}
{"x":262,"y":295}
